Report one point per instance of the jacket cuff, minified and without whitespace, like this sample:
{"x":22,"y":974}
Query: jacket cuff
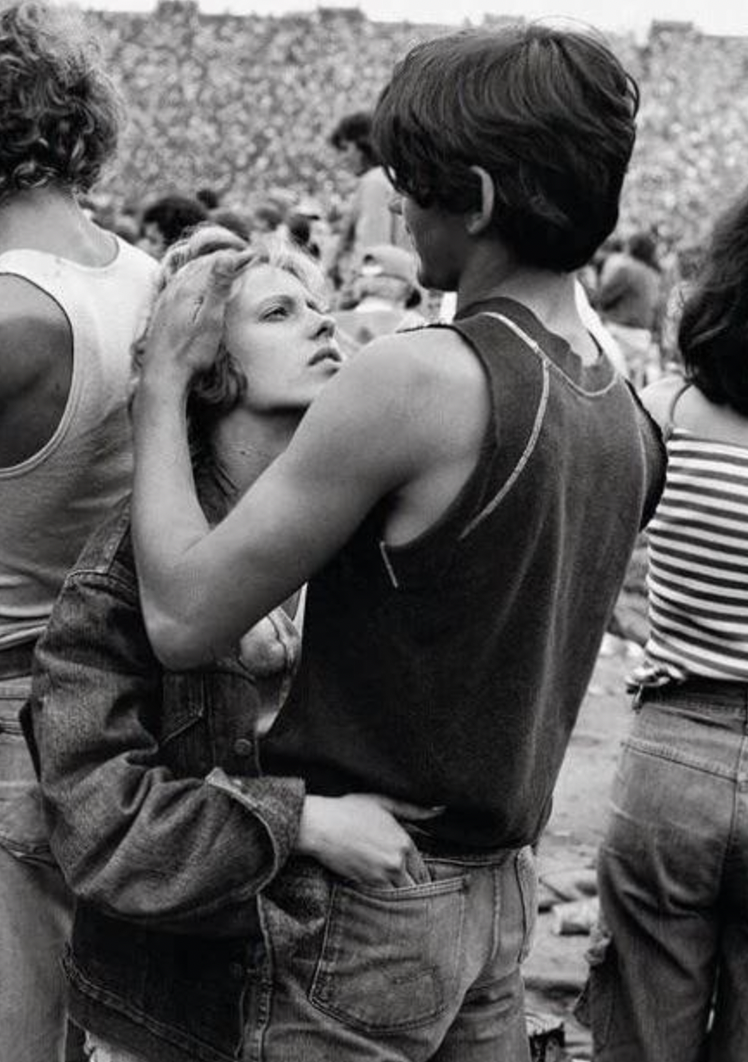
{"x":276,"y":803}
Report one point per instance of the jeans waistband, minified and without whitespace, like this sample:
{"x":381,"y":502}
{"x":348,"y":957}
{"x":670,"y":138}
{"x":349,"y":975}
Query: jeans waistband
{"x":16,"y":660}
{"x":723,"y":691}
{"x":449,"y":851}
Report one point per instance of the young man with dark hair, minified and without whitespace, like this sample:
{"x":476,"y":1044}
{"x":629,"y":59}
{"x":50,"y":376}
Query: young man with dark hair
{"x":369,"y":219}
{"x":167,"y":220}
{"x":464,"y":501}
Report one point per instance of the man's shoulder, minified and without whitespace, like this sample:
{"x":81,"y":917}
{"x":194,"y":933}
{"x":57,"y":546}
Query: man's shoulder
{"x":23,"y":304}
{"x":425,"y":388}
{"x":33,"y":331}
{"x":431,"y":353}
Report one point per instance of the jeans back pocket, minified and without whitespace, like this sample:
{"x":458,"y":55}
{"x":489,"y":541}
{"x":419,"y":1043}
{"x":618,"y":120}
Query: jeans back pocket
{"x":390,"y":957}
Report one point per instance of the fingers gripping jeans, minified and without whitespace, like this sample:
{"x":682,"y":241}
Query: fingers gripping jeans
{"x":672,"y":984}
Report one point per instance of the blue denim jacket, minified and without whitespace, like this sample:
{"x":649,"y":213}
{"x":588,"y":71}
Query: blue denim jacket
{"x":157,"y":817}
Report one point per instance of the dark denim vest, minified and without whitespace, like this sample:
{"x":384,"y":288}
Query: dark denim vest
{"x":450,"y":671}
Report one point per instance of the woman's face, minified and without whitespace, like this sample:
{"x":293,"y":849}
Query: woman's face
{"x":279,"y":333}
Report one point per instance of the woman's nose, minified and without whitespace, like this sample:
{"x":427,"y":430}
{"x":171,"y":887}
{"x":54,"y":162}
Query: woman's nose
{"x":326,"y":324}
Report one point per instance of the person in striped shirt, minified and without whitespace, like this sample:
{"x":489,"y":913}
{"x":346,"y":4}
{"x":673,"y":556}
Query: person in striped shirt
{"x":669,"y":979}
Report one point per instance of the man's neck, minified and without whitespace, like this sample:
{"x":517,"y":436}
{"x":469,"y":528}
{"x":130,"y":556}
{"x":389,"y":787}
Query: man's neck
{"x":49,"y":219}
{"x":550,"y":296}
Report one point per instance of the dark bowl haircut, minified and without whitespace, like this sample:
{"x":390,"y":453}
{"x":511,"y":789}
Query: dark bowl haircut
{"x":548,"y":113}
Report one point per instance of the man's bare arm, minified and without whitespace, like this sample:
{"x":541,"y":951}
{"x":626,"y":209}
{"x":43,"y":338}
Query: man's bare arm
{"x":36,"y":365}
{"x":360,"y":441}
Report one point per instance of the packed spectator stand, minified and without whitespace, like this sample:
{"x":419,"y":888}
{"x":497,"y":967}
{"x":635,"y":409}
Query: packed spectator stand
{"x":245,"y":104}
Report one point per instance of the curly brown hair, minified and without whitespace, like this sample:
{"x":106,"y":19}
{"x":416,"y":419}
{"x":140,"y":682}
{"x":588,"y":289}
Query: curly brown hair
{"x":59,"y":112}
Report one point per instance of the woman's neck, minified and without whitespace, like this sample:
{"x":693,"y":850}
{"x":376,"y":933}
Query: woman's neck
{"x":245,"y":444}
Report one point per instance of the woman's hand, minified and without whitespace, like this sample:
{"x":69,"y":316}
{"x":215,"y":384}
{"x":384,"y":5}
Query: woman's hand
{"x":186,"y":327}
{"x":359,"y":838}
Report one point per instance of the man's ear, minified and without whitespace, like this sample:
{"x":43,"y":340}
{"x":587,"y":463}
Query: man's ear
{"x":477,"y":220}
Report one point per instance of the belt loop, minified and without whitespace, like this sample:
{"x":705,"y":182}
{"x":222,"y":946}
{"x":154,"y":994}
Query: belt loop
{"x":636,"y":700}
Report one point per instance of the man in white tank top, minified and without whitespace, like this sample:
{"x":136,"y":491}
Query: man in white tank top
{"x":72,"y":299}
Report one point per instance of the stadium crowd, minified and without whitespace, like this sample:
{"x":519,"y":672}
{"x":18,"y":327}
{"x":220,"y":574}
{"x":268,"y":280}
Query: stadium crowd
{"x":246,"y":104}
{"x":242,"y":107}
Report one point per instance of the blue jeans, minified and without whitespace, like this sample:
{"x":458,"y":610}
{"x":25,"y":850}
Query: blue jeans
{"x":429,"y":971}
{"x":670,"y":983}
{"x":35,"y":906}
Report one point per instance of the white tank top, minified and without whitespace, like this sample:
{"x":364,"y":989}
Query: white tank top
{"x":50,"y":502}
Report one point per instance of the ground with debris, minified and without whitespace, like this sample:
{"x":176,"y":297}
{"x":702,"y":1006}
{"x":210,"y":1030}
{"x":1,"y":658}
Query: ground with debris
{"x":556,"y":969}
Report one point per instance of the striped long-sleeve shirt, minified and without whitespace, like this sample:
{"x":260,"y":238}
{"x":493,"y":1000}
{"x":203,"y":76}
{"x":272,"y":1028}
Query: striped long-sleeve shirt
{"x":698,"y":562}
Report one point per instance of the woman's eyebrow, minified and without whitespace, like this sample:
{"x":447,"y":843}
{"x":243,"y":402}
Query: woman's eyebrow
{"x":281,"y":299}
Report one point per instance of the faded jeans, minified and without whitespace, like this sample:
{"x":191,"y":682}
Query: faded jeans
{"x":429,"y":971}
{"x":35,"y":907}
{"x":670,"y":983}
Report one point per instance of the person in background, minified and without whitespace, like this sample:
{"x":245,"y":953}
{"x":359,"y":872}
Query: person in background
{"x":464,"y":500}
{"x":235,"y":221}
{"x":669,"y":980}
{"x":165,"y":221}
{"x":300,"y":232}
{"x":267,"y":216}
{"x":72,"y":299}
{"x":209,"y":198}
{"x":369,"y":220}
{"x":385,"y":294}
{"x":629,"y":299}
{"x":159,"y":820}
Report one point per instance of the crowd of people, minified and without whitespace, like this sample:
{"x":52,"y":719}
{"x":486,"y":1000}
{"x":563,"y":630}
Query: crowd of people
{"x":246,"y":105}
{"x":326,"y":438}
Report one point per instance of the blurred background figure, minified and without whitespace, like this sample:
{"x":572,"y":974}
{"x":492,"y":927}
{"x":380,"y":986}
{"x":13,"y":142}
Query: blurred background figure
{"x":165,"y":221}
{"x":369,"y":219}
{"x":629,"y":298}
{"x":208,"y":198}
{"x":267,"y":216}
{"x":384,"y":297}
{"x":300,"y":233}
{"x":235,"y":221}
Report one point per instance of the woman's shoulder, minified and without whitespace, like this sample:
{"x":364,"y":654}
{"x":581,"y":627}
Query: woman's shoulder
{"x":659,"y":397}
{"x":677,"y":404}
